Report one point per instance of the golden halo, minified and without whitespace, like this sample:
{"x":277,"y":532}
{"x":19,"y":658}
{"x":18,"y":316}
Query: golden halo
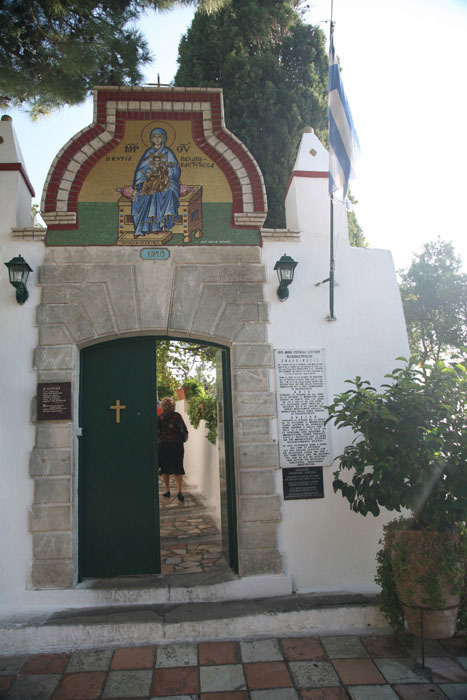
{"x":161,"y":125}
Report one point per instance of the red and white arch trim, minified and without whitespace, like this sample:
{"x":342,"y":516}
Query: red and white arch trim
{"x":113,"y":107}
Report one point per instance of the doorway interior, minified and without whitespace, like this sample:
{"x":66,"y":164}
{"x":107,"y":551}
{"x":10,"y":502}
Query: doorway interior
{"x":125,"y":525}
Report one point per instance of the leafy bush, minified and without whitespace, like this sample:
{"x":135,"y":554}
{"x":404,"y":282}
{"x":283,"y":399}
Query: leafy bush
{"x":201,"y":405}
{"x":410,"y":449}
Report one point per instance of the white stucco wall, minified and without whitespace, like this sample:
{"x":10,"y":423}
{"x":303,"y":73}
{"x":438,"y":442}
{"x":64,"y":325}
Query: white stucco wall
{"x":326,"y":546}
{"x":17,"y":377}
{"x":202,"y":463}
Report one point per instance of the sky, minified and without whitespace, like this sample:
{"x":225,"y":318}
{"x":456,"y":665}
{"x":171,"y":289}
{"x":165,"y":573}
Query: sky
{"x":403,"y":66}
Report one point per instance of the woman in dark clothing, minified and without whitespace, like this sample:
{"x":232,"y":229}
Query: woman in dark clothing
{"x":171,"y":434}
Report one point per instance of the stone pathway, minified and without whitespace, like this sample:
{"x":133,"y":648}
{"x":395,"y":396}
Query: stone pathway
{"x":293,"y":668}
{"x":190,"y":538}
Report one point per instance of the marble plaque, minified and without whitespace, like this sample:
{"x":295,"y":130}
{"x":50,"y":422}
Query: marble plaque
{"x":301,"y":400}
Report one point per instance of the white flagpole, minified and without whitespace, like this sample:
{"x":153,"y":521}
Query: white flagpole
{"x":331,"y":316}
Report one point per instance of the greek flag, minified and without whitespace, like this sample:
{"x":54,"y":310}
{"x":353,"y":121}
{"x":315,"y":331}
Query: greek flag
{"x":343,"y":140}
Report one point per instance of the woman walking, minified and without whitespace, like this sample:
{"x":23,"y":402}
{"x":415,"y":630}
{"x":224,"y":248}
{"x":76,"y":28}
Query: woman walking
{"x":171,"y":434}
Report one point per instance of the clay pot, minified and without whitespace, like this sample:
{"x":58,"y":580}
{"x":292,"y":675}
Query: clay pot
{"x":437,"y":624}
{"x":421,"y":549}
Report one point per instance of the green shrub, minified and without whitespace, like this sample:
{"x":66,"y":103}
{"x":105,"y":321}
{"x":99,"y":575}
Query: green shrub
{"x":202,"y":406}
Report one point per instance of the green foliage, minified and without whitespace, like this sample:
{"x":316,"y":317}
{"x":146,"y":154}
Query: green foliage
{"x":356,"y":235}
{"x":193,"y":387}
{"x":410,"y":449}
{"x":167,"y":384}
{"x":434,"y":295}
{"x":202,"y":406}
{"x":389,"y":602}
{"x":177,"y":359}
{"x":53,"y":52}
{"x":273,"y":69}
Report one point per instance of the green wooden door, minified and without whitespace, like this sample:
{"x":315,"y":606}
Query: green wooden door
{"x":117,"y":494}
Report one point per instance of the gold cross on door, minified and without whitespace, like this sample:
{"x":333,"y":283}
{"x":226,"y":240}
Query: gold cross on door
{"x":117,"y":408}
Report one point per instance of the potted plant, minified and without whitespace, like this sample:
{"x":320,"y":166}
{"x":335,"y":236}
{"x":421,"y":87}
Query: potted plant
{"x":410,"y":454}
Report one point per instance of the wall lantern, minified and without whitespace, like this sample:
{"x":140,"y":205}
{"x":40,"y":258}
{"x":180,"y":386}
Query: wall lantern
{"x":18,"y":270}
{"x":285,"y":270}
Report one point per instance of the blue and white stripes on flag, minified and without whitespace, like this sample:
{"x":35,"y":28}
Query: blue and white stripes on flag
{"x":343,"y":140}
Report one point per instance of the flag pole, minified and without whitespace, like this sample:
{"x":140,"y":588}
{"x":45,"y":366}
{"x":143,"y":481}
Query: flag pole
{"x":343,"y":150}
{"x":331,"y":236}
{"x":331,"y":265}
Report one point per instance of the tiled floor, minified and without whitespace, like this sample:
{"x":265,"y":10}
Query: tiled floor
{"x":190,"y":538}
{"x":302,"y":668}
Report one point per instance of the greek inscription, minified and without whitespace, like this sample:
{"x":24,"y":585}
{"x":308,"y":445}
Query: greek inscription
{"x":301,"y":401}
{"x":118,"y":159}
{"x":195,"y":162}
{"x":302,"y":482}
{"x":54,"y":401}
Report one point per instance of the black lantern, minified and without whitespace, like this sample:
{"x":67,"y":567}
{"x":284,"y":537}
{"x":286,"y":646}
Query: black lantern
{"x":285,"y":271}
{"x":18,"y":270}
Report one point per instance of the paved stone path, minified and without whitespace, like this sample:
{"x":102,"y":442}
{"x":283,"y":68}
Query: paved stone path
{"x":299,"y":668}
{"x":190,"y":538}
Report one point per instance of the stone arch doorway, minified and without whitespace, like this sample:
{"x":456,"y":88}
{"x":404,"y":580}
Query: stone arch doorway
{"x":118,"y":504}
{"x":92,"y":296}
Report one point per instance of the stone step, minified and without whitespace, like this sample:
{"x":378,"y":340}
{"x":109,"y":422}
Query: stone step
{"x":288,"y":615}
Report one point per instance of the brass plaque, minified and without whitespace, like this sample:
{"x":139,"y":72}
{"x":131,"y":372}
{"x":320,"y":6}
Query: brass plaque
{"x":54,"y":401}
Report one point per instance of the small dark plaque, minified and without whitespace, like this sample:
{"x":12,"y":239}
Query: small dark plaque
{"x":302,"y":482}
{"x":54,"y":401}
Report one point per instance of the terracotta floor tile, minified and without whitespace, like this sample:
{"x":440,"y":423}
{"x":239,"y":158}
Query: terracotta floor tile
{"x":297,"y":649}
{"x":228,"y":695}
{"x":457,"y":646}
{"x":133,"y":657}
{"x":344,"y":647}
{"x":325,"y":694}
{"x":419,"y":692}
{"x":80,"y":686}
{"x":5,"y":683}
{"x":402,"y":671}
{"x":432,"y":648}
{"x":269,"y":674}
{"x":128,"y":684}
{"x":222,"y":679}
{"x":357,"y":671}
{"x":12,"y":665}
{"x":34,"y":686}
{"x":175,"y":681}
{"x":385,"y":646}
{"x":46,"y":663}
{"x":213,"y":653}
{"x":445,"y":670}
{"x":256,"y":651}
{"x":455,"y":691}
{"x":313,"y":674}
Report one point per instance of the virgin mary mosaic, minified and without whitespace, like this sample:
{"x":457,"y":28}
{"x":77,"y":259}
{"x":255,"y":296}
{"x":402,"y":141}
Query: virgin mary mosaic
{"x":156,"y":187}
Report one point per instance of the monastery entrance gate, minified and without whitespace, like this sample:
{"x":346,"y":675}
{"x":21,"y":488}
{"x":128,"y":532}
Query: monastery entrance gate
{"x":129,"y":258}
{"x":91,"y":296}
